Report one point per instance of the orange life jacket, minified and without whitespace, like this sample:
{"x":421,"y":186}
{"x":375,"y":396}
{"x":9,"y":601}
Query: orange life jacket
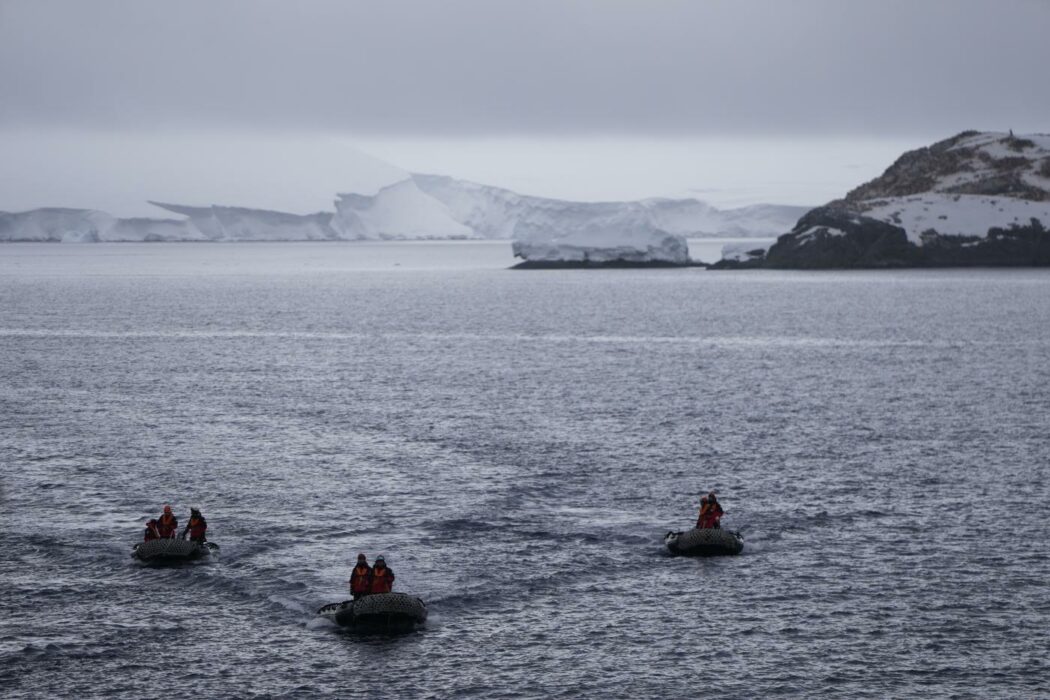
{"x":710,"y":514}
{"x":197,"y":528}
{"x":382,"y":580}
{"x":166,"y":525}
{"x":359,"y":578}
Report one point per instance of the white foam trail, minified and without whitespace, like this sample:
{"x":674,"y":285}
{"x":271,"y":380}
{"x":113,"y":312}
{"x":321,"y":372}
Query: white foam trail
{"x":714,"y":341}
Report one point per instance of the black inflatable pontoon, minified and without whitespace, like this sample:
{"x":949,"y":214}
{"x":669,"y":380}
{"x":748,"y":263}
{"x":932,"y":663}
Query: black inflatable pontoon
{"x":708,"y":542}
{"x":172,"y":550}
{"x":379,"y":611}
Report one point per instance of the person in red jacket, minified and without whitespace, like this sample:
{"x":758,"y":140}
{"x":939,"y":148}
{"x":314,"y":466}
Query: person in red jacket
{"x":151,"y":531}
{"x":701,"y":519}
{"x":360,"y":577}
{"x":382,"y":580}
{"x":196,"y":527}
{"x":710,"y":517}
{"x":167,"y":524}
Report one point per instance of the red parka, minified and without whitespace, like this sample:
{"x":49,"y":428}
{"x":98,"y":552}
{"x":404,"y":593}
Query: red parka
{"x":359,"y":579}
{"x":167,"y":525}
{"x":197,"y":527}
{"x":710,"y":515}
{"x":382,"y":580}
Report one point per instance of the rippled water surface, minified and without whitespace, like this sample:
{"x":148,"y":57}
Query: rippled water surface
{"x":516,"y":444}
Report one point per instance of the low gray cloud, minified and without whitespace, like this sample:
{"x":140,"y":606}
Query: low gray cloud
{"x":468,"y":67}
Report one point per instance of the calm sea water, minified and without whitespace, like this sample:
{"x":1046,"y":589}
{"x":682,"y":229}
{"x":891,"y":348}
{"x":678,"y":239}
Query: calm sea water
{"x":516,"y":444}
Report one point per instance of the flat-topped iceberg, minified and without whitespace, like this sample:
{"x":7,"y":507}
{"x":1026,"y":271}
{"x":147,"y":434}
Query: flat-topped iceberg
{"x":598,"y":234}
{"x":91,"y":226}
{"x":241,"y":224}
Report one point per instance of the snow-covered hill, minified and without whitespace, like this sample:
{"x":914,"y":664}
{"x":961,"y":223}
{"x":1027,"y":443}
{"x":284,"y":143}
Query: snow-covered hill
{"x":963,"y":186}
{"x":978,"y":198}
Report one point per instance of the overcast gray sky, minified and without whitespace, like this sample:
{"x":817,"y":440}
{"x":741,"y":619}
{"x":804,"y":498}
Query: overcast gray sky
{"x":461,"y":86}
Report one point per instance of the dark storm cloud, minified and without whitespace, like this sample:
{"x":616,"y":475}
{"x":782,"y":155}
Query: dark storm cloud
{"x":465,"y":67}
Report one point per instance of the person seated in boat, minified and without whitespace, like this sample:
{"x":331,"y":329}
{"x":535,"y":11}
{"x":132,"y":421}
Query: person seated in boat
{"x":167,"y":523}
{"x":360,"y":577}
{"x":151,"y":531}
{"x":702,"y":518}
{"x":196,"y":527}
{"x":382,"y":578}
{"x":714,"y":511}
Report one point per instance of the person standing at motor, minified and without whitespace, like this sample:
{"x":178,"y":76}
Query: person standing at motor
{"x":382,"y":579}
{"x":360,"y":577}
{"x":167,"y":524}
{"x":196,"y":527}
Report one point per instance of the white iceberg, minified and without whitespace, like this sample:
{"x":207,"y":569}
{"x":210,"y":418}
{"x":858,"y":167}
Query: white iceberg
{"x":399,"y":211}
{"x":600,"y":234}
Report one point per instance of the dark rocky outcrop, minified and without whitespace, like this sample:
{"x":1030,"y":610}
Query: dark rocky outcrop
{"x":973,"y":177}
{"x":921,"y":170}
{"x":831,"y":238}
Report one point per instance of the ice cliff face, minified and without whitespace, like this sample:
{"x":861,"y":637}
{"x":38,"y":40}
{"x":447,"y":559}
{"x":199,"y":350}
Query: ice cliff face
{"x":431,"y":207}
{"x":599,"y":234}
{"x":494,"y":212}
{"x":978,"y":198}
{"x":552,"y":230}
{"x":238,"y":224}
{"x":90,"y":226}
{"x":400,"y":211}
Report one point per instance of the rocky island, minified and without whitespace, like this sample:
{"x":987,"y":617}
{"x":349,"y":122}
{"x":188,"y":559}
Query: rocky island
{"x":976,"y":199}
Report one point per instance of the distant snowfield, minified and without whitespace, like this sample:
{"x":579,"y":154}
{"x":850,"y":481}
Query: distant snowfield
{"x":956,"y":214}
{"x":424,"y":207}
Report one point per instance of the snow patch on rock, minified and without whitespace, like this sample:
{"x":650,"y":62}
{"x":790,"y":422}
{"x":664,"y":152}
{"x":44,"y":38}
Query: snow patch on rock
{"x":956,"y":214}
{"x":813,"y":232}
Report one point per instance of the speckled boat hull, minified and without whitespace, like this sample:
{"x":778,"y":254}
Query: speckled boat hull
{"x":171,"y":550}
{"x":708,"y":542}
{"x":380,"y":611}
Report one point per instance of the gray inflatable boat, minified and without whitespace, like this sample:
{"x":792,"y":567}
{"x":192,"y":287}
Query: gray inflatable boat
{"x":379,"y":611}
{"x":708,"y":542}
{"x":172,"y":549}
